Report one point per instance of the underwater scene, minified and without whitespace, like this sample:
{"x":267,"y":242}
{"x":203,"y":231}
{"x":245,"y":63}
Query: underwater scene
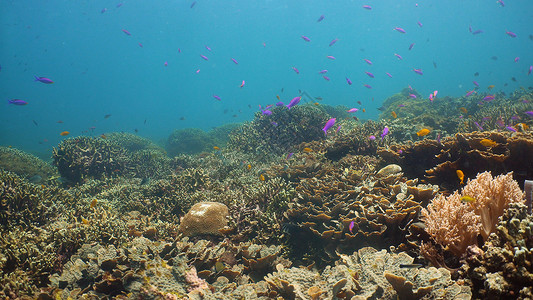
{"x":266,"y":149}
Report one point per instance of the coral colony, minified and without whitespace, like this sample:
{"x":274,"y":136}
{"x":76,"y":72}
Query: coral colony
{"x":433,"y":200}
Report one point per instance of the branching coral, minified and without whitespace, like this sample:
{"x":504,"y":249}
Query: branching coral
{"x":455,"y":222}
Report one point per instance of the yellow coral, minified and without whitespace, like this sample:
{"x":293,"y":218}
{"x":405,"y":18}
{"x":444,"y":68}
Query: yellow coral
{"x":456,"y":225}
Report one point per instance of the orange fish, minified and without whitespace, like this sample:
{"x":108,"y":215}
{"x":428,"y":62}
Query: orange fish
{"x":249,"y":166}
{"x":490,"y":87}
{"x":423,"y":132}
{"x":487,"y":143}
{"x":460,"y":175}
{"x":394,"y":115}
{"x":307,"y":150}
{"x":103,"y":136}
{"x":93,"y":203}
{"x":277,"y":96}
{"x":64,"y":133}
{"x":364,"y":110}
{"x":463,"y":109}
{"x":216,"y":148}
{"x":262,"y":177}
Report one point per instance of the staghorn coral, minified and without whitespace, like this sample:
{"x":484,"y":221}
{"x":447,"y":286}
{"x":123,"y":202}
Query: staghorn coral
{"x":86,"y":157}
{"x":456,"y":225}
{"x":503,"y":268}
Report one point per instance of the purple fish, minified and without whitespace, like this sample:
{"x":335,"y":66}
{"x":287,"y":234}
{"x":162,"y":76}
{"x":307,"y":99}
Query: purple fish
{"x":368,"y":61}
{"x":333,"y":42}
{"x":475,"y":83}
{"x":372,"y":137}
{"x":120,"y":4}
{"x":398,"y":55}
{"x":399,"y":29}
{"x":320,"y":18}
{"x":501,"y":3}
{"x":469,"y":93}
{"x":328,"y":125}
{"x":488,"y":98}
{"x":530,"y":70}
{"x":438,"y":138}
{"x":419,"y":24}
{"x":368,"y":7}
{"x":280,"y":104}
{"x":401,"y":105}
{"x":510,"y":128}
{"x":216,"y":97}
{"x":477,"y":32}
{"x":511,"y":34}
{"x":418,"y":71}
{"x":369,"y":74}
{"x":193,"y":4}
{"x":294,"y":102}
{"x":412,"y":96}
{"x":348,"y":81}
{"x":411,"y":46}
{"x":126,"y":32}
{"x":367,"y":86}
{"x":350,"y":227}
{"x":275,"y":124}
{"x":529,"y":113}
{"x":140,"y":45}
{"x":204,"y":57}
{"x":43,"y":80}
{"x":351,"y":110}
{"x":266,"y":112}
{"x":385,"y":132}
{"x":305,"y":38}
{"x":516,"y":59}
{"x":296,"y":70}
{"x":235,"y":61}
{"x":326,"y":77}
{"x":388,"y":74}
{"x":103,"y":10}
{"x":207,"y":47}
{"x":322,"y":72}
{"x":338,"y":129}
{"x":478,"y":126}
{"x":330,"y":57}
{"x":17,"y":102}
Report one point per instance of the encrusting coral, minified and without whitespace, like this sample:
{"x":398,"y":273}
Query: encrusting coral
{"x":456,"y":221}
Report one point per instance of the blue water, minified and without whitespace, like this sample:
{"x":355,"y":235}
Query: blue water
{"x":99,"y":70}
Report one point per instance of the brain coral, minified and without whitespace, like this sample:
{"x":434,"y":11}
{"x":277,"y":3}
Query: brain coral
{"x":204,"y":218}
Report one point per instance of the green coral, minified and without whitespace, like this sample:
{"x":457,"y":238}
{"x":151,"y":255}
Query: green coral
{"x":25,"y":165}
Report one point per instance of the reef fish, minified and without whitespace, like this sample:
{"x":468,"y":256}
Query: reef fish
{"x":350,"y":227}
{"x":488,"y":143}
{"x":17,"y":102}
{"x":64,"y":133}
{"x":333,"y":42}
{"x":43,"y":80}
{"x":320,"y":18}
{"x":488,"y":98}
{"x":306,"y":38}
{"x":385,"y":132}
{"x":235,"y":61}
{"x":294,"y":102}
{"x":217,"y":97}
{"x":399,"y":29}
{"x":328,"y":125}
{"x":418,"y":71}
{"x":204,"y":57}
{"x":423,"y":132}
{"x":126,"y":32}
{"x":529,"y":113}
{"x":394,"y":115}
{"x":368,"y":61}
{"x":369,"y":74}
{"x":348,"y":81}
{"x":351,"y":110}
{"x":467,"y":199}
{"x":511,"y":34}
{"x":460,"y":175}
{"x":296,"y":70}
{"x":367,"y":7}
{"x":398,"y":56}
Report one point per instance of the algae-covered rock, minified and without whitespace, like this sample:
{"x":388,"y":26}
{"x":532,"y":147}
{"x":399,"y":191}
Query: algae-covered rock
{"x":205,"y":218}
{"x":25,"y":165}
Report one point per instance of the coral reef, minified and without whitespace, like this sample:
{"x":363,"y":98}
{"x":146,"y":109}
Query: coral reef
{"x":26,"y":165}
{"x":204,"y":218}
{"x":502,"y":269}
{"x":80,"y":158}
{"x":455,"y":223}
{"x":189,"y":141}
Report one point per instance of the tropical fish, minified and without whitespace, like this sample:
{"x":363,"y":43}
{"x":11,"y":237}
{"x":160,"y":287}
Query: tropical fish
{"x":398,"y":55}
{"x":369,"y":74}
{"x":367,"y":7}
{"x":279,"y":103}
{"x":488,"y":143}
{"x":501,"y":3}
{"x":529,"y":113}
{"x":296,"y":70}
{"x":126,"y":32}
{"x":43,"y":80}
{"x":322,"y":71}
{"x":372,"y":137}
{"x":511,"y":34}
{"x":469,"y":93}
{"x":328,"y":125}
{"x":423,"y":132}
{"x":367,"y":86}
{"x":331,"y":57}
{"x":216,"y":148}
{"x":235,"y":61}
{"x":385,"y":132}
{"x":333,"y":42}
{"x":320,"y":18}
{"x":262,"y":177}
{"x":463,"y":109}
{"x":307,"y":150}
{"x":477,"y":32}
{"x":64,"y":133}
{"x":204,"y":57}
{"x":418,"y":71}
{"x":350,"y":227}
{"x":294,"y":102}
{"x":510,"y":128}
{"x":530,"y":70}
{"x":516,"y":59}
{"x":207,"y":47}
{"x":399,"y":29}
{"x":348,"y":81}
{"x":490,"y":87}
{"x":17,"y":102}
{"x":460,"y":175}
{"x":411,"y":46}
{"x":217,"y":97}
{"x":326,"y":77}
{"x":140,"y":45}
{"x":103,"y":136}
{"x":488,"y":98}
{"x":93,"y":203}
{"x":368,"y":61}
{"x":306,"y":38}
{"x":393,"y":114}
{"x":242,"y":84}
{"x":412,"y":96}
{"x":351,"y":110}
{"x":290,"y":155}
{"x":165,"y":64}
{"x":419,"y":24}
{"x":467,"y":199}
{"x":388,"y":74}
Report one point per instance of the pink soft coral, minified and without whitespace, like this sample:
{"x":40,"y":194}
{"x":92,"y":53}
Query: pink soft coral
{"x":456,"y":225}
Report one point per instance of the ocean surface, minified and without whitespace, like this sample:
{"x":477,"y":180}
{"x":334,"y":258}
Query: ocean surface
{"x":138,"y":66}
